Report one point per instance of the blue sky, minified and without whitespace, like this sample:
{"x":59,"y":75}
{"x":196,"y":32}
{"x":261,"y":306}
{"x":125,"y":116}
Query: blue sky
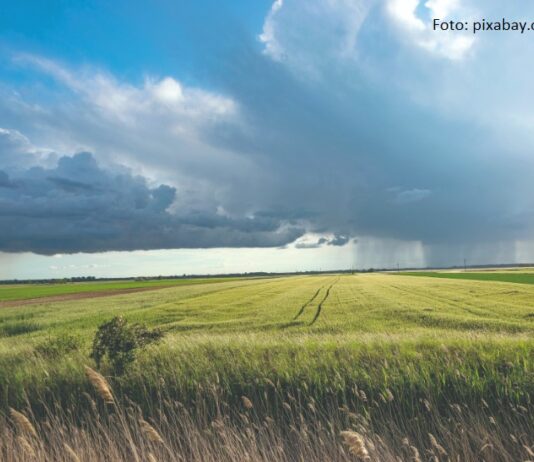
{"x":128,"y":38}
{"x":180,"y":137}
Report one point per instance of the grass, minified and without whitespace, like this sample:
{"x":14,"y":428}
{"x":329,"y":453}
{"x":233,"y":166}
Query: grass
{"x":317,"y":345}
{"x":496,"y":276}
{"x":29,"y":291}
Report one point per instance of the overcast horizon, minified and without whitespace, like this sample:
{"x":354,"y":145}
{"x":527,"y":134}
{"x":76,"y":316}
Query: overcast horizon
{"x":221,"y":137}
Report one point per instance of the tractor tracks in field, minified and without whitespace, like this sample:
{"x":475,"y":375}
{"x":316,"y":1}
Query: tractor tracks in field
{"x":303,"y":307}
{"x":319,"y":305}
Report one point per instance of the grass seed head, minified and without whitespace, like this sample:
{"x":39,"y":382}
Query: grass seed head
{"x":356,"y":444}
{"x":246,"y":402}
{"x":150,"y":432}
{"x":23,"y":423}
{"x":415,"y":456}
{"x":438,"y":447}
{"x":101,"y":385}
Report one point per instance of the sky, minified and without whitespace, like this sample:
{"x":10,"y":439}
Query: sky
{"x":172,"y":137}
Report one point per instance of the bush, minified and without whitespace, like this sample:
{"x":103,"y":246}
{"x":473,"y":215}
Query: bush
{"x":119,"y":341}
{"x":57,"y":346}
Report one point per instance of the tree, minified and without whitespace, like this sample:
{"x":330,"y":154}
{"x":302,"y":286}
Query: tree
{"x":119,"y":341}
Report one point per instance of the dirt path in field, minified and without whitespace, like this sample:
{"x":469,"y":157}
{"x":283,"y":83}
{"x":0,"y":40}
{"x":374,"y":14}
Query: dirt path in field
{"x":77,"y":296}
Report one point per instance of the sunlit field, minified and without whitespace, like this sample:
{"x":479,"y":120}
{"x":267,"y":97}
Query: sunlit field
{"x":522,"y":276}
{"x":417,"y":368}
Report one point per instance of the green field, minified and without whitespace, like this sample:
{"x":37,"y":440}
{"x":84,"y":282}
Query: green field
{"x":372,"y":305}
{"x":497,"y":276}
{"x":429,"y":342}
{"x":29,"y":291}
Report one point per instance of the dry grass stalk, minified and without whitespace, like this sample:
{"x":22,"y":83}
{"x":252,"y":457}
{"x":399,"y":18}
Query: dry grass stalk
{"x":246,"y":402}
{"x":416,"y":457}
{"x":26,"y":447}
{"x":101,"y":385}
{"x":150,"y":432}
{"x":22,"y":422}
{"x":356,"y":444}
{"x":71,"y":453}
{"x":438,"y":447}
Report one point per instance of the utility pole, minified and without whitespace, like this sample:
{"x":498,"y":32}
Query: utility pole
{"x":398,"y":267}
{"x":465,"y":265}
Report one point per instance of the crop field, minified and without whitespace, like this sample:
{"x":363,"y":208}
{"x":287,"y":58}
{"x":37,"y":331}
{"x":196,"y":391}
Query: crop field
{"x":11,"y":292}
{"x":381,"y":367}
{"x":521,"y":277}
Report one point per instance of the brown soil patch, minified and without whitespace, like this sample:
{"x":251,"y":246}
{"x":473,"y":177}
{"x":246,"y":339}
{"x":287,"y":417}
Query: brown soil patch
{"x":77,"y":296}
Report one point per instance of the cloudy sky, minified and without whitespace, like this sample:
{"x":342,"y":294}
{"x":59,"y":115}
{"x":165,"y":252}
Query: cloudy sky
{"x":206,"y":137}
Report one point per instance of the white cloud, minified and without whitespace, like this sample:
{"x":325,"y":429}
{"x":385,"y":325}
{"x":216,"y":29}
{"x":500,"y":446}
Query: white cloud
{"x":442,"y":8}
{"x":16,"y":150}
{"x":159,"y":128}
{"x":168,"y":90}
{"x":318,"y":240}
{"x":403,"y":11}
{"x":268,"y":35}
{"x":127,"y":102}
{"x":451,"y":45}
{"x":307,"y":34}
{"x":163,"y":132}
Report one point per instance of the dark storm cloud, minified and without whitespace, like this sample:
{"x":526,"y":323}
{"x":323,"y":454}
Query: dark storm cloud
{"x":337,"y":240}
{"x":372,"y":150}
{"x":4,"y":180}
{"x":77,"y":206}
{"x":340,"y":123}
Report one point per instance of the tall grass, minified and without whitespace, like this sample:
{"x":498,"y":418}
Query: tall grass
{"x":255,"y":399}
{"x":268,"y":426}
{"x":394,"y":368}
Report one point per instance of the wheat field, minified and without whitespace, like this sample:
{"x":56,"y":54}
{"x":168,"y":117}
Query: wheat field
{"x":305,"y":368}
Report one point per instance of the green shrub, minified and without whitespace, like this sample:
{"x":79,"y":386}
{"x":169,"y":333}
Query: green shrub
{"x":119,"y":341}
